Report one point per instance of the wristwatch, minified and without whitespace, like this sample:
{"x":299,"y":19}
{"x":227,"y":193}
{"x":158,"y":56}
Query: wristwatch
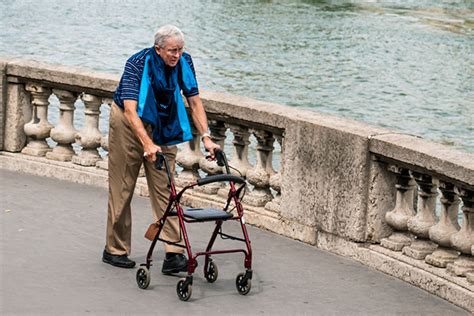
{"x":205,"y":135}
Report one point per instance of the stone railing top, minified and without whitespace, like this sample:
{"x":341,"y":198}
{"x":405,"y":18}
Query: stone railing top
{"x":442,"y":161}
{"x":280,"y":116}
{"x":72,"y":78}
{"x":224,"y":105}
{"x":417,"y":153}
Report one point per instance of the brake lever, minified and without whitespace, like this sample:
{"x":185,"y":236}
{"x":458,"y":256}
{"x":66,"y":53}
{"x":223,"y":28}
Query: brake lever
{"x":219,"y":154}
{"x":220,"y":162}
{"x":159,"y":162}
{"x":210,"y":158}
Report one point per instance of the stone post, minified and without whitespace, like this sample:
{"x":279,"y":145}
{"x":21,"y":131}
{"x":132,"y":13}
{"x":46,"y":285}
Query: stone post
{"x":447,"y":226}
{"x":17,"y":113}
{"x":3,"y":100}
{"x":260,"y":175}
{"x":210,"y":167}
{"x":64,"y":132}
{"x":89,"y":137}
{"x":424,"y":219}
{"x":403,"y":211}
{"x":275,"y":183}
{"x":188,"y":159}
{"x":463,"y":240}
{"x":38,"y":128}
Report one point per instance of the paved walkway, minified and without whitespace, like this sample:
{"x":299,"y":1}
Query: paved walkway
{"x":52,"y":236}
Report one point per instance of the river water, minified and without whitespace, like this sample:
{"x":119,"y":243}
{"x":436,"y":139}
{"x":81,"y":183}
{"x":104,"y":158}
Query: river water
{"x":404,"y":65}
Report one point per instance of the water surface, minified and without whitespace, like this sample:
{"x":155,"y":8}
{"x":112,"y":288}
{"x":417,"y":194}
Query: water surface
{"x":404,"y":65}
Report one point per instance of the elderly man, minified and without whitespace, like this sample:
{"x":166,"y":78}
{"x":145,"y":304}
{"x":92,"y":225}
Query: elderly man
{"x":148,"y":116}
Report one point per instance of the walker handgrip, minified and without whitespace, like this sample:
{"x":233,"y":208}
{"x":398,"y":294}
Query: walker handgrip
{"x":220,"y":178}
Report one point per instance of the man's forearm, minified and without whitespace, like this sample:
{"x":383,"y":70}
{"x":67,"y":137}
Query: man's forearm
{"x":136,"y":123}
{"x":200,"y":121}
{"x":198,"y":114}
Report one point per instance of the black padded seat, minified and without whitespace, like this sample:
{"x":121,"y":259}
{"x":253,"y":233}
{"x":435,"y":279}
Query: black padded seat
{"x":206,"y":214}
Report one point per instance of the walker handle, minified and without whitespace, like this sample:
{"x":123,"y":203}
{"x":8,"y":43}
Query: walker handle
{"x":220,"y":178}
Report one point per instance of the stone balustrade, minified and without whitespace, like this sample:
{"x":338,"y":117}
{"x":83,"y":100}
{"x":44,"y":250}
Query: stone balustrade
{"x":89,"y":139}
{"x":442,"y":237}
{"x":395,"y":202}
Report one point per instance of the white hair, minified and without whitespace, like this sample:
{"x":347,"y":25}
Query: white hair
{"x":165,"y":32}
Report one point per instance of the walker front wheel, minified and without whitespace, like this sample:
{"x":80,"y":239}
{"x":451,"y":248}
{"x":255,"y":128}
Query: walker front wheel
{"x":143,"y":277}
{"x":184,"y":290}
{"x":243,"y":285}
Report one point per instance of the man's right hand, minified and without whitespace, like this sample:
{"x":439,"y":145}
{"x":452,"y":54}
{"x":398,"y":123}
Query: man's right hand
{"x":149,"y":148}
{"x":150,"y":152}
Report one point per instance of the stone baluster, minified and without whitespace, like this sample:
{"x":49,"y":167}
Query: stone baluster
{"x":188,"y":158}
{"x":89,"y":137}
{"x":447,"y":226}
{"x":64,"y":132}
{"x":108,"y":101}
{"x":38,"y":129}
{"x":424,"y":219}
{"x":104,"y":142}
{"x":470,"y":274}
{"x":217,"y":129}
{"x":275,"y":183}
{"x":463,"y":240}
{"x":260,"y":175}
{"x":240,"y":152}
{"x":402,"y":212}
{"x":104,"y":162}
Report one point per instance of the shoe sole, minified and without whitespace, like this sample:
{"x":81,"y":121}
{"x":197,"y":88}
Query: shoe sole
{"x":175,"y":270}
{"x":125,"y":266}
{"x":171,"y":271}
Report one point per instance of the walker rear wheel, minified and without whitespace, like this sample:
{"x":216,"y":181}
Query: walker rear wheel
{"x":143,"y":277}
{"x":184,"y":290}
{"x":211,"y":272}
{"x":243,"y":286}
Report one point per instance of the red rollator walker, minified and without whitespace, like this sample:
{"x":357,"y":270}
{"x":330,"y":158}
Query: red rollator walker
{"x":195,"y":215}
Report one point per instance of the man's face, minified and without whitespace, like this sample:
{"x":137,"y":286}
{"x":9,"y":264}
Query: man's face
{"x":171,"y":52}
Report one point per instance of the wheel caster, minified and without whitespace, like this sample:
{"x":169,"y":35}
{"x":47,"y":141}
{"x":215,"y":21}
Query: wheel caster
{"x":243,"y":285}
{"x":143,"y":277}
{"x":184,"y":289}
{"x":211,"y":272}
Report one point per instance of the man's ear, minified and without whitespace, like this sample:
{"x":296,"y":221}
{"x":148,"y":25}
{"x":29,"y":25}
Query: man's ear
{"x":158,"y":49}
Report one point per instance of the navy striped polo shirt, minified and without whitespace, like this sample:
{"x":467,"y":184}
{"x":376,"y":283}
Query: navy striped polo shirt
{"x":129,"y":86}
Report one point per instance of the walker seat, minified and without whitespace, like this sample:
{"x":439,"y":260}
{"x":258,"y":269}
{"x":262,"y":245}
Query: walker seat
{"x":205,"y":214}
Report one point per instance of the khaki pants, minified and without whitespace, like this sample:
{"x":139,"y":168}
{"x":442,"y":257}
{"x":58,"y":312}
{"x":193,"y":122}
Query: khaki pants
{"x":125,"y":160}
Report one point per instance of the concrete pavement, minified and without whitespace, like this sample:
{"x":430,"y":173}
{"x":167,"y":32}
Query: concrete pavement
{"x":52,"y":235}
